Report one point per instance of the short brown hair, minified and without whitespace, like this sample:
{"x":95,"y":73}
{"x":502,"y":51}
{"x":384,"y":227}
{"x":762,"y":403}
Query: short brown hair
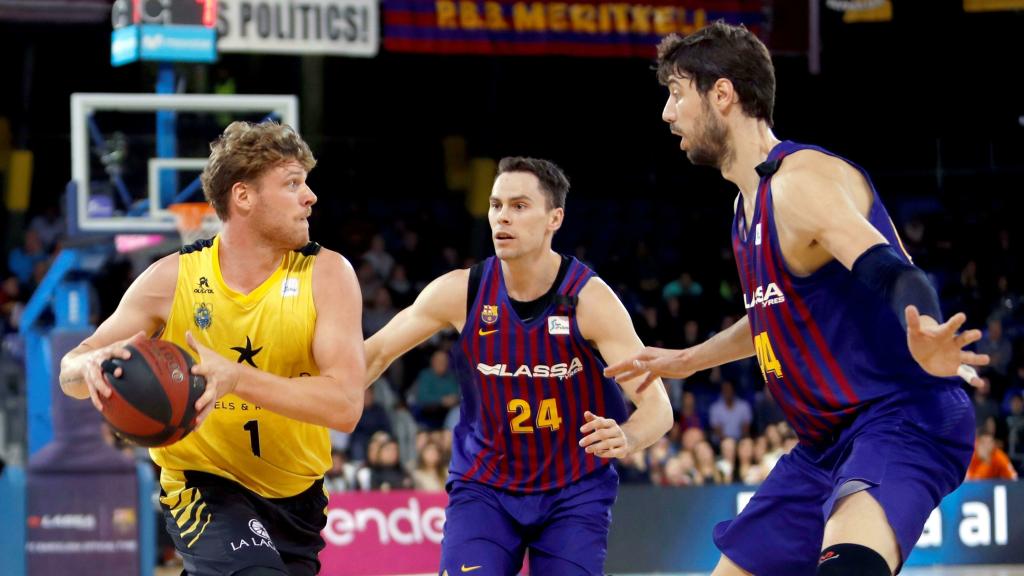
{"x":722,"y":50}
{"x":553,"y":181}
{"x":244,"y":152}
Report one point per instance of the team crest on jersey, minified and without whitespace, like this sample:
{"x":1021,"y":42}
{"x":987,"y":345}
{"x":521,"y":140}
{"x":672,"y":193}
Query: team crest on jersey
{"x":558,"y":325}
{"x":203,"y":315}
{"x":490,"y":314}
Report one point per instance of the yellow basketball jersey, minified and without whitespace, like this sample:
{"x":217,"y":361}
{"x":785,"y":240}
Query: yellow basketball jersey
{"x":270,"y":328}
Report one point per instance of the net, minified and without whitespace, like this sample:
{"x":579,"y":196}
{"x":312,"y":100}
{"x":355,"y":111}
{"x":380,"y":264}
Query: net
{"x":195,"y":221}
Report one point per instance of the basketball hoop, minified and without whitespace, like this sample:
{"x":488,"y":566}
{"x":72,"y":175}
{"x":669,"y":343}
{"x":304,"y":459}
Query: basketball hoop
{"x":195,"y":221}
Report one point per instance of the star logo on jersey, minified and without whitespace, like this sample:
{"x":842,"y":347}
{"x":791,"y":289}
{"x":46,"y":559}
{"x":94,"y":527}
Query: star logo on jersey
{"x":247,"y":354}
{"x":203,"y":315}
{"x":489,"y":314}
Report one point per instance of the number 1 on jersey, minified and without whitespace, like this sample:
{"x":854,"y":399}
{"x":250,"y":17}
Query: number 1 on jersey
{"x":766,"y":356}
{"x":253,"y":426}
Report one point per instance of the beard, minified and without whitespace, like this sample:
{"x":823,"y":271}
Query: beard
{"x":711,"y":147}
{"x":287,"y":234}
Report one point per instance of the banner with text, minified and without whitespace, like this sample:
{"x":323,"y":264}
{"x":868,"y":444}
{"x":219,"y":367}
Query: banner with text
{"x":572,"y":28}
{"x":372,"y":533}
{"x":329,"y":27}
{"x":979,"y":523}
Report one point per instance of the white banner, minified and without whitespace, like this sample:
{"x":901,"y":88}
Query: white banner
{"x":333,"y":27}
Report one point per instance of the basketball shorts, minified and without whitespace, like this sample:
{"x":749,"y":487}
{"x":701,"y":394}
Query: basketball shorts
{"x":908,"y":451}
{"x":221,"y":527}
{"x":566,"y":531}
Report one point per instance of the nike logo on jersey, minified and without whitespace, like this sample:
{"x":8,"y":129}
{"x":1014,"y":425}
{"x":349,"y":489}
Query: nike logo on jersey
{"x":469,"y":568}
{"x":483,"y":332}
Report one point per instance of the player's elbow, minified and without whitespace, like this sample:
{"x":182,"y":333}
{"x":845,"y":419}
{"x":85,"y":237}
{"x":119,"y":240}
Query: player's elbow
{"x":350,"y":408}
{"x":664,"y":418}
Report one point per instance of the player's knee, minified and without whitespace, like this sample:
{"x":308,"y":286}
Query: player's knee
{"x":851,"y":560}
{"x":260,"y":571}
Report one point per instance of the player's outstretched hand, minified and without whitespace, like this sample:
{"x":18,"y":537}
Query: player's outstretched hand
{"x":221,"y":377}
{"x":652,"y":363}
{"x":938,"y":348}
{"x":603,"y":437}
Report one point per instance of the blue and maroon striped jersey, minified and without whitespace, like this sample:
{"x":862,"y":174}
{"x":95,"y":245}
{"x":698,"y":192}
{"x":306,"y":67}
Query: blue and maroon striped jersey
{"x":827,"y":345}
{"x":525,"y":387}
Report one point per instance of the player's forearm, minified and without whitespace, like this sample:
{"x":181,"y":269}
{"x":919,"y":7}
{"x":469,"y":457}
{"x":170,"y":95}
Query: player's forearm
{"x":651,"y":420}
{"x":376,"y":362}
{"x":321,"y":400}
{"x":72,"y":377}
{"x":733,"y":343}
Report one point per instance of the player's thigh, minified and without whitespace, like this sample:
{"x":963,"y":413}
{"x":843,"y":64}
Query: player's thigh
{"x":295,"y":525}
{"x":478,"y":534}
{"x":574,"y":545}
{"x":218,"y":531}
{"x":780,"y":529}
{"x":574,"y":537}
{"x":860,"y":519}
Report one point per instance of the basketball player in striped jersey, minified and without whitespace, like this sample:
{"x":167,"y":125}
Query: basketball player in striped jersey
{"x":274,"y":321}
{"x":847,"y":331}
{"x":538,"y":422}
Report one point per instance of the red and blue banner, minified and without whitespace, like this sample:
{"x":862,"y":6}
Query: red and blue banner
{"x":598,"y":28}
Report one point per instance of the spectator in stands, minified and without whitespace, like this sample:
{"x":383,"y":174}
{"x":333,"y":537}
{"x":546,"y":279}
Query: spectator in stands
{"x":342,"y":475}
{"x":989,"y":461}
{"x":379,"y":312}
{"x":998,"y":348}
{"x":387,"y":473}
{"x":730,"y":416}
{"x":378,"y":257}
{"x":726,"y":463}
{"x":435,"y":392}
{"x":688,"y":417}
{"x":986,"y":410}
{"x":431,"y":470}
{"x":374,"y":419}
{"x":748,"y":470}
{"x":704,"y":462}
{"x":22,"y":260}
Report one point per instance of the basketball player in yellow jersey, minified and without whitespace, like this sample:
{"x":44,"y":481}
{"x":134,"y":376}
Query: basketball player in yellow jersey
{"x":274,"y":320}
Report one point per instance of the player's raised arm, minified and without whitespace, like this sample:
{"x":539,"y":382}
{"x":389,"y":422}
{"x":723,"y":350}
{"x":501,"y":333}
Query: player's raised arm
{"x":604,"y":322}
{"x":824,"y":200}
{"x":441,"y":304}
{"x":142,"y":312}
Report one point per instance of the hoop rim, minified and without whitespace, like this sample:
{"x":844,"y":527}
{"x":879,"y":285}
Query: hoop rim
{"x":189,"y":216}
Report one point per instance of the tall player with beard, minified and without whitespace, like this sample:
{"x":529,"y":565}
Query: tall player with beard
{"x":275,"y":322}
{"x":538,"y":422}
{"x":847,"y":332}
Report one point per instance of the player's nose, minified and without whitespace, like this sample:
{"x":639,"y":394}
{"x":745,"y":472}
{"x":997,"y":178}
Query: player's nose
{"x":668,"y":113}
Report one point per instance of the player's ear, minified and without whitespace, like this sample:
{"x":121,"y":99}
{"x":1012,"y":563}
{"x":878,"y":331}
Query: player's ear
{"x":242,"y":196}
{"x":555,"y":218}
{"x":722,"y":94}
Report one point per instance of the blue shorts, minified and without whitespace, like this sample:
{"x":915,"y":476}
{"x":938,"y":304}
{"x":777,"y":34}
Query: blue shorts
{"x":566,"y":531}
{"x":909,"y":450}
